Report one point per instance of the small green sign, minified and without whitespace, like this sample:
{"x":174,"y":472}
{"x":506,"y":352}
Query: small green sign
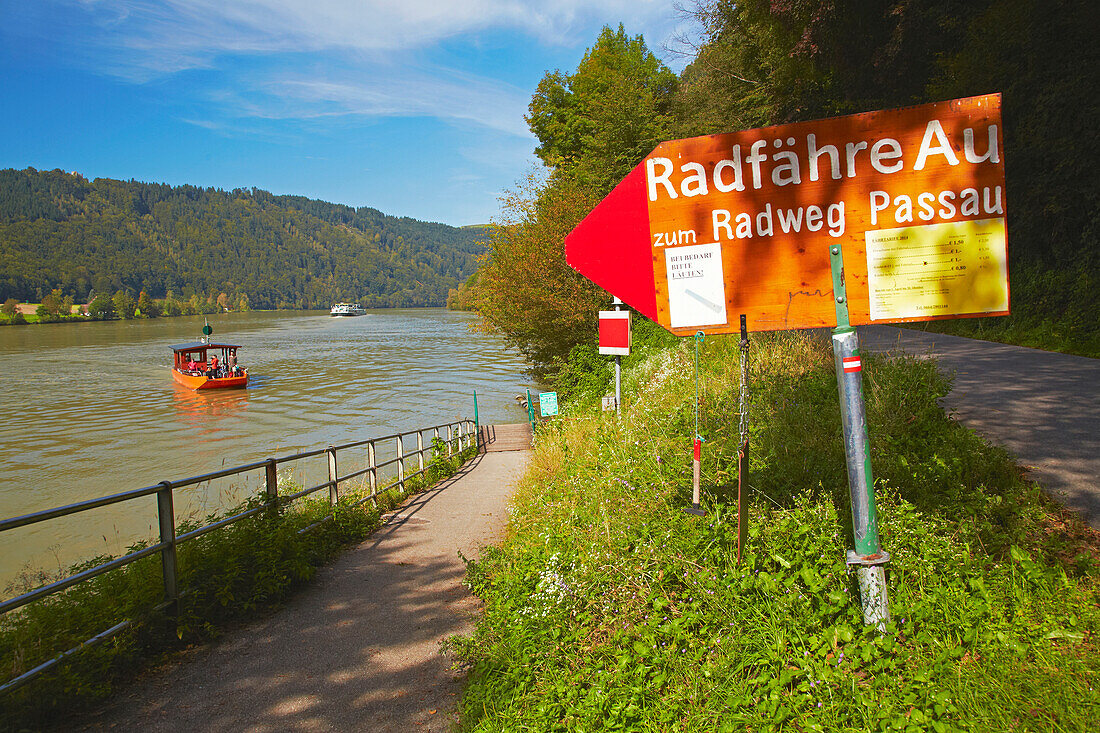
{"x":206,"y":330}
{"x":548,"y":403}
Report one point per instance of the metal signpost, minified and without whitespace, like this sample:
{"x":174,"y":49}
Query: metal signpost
{"x":890,"y":216}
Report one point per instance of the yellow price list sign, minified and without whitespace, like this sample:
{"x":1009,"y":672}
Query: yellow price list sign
{"x":936,"y":270}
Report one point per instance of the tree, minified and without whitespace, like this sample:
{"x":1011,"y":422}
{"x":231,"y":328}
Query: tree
{"x":52,"y":303}
{"x":763,"y":62}
{"x":10,"y":307}
{"x":125,"y":305}
{"x":102,"y":307}
{"x":171,"y":306}
{"x":594,"y":125}
{"x":146,"y":306}
{"x":525,"y":289}
{"x":598,"y":122}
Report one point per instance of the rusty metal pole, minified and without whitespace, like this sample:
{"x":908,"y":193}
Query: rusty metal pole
{"x":868,"y":558}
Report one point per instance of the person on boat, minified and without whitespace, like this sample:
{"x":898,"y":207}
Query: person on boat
{"x":213,"y":367}
{"x":192,"y":365}
{"x":231,"y":363}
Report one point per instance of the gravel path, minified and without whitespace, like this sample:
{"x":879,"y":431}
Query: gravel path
{"x":1041,"y":405}
{"x":358,"y":649}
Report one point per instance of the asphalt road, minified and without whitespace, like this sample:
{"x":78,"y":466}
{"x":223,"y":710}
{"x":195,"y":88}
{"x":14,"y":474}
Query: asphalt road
{"x":1041,"y":405}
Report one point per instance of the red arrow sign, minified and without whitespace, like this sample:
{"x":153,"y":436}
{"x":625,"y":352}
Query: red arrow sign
{"x":611,"y":246}
{"x":711,"y":227}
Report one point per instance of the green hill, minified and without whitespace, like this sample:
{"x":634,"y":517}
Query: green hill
{"x":61,"y":231}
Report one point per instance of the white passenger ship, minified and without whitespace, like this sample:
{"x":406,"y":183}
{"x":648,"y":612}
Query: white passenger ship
{"x":347,"y":309}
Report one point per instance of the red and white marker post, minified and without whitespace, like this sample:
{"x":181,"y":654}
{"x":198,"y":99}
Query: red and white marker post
{"x":615,"y":341}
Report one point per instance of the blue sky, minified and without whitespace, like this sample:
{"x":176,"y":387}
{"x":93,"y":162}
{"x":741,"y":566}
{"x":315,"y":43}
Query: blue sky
{"x":414,"y":107}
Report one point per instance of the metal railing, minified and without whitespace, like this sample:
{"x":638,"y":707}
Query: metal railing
{"x":459,"y":436}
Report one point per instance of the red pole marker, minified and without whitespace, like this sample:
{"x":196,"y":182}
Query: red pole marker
{"x":695,"y":508}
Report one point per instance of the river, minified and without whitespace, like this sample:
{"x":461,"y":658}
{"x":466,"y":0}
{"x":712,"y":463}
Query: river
{"x":88,"y":410}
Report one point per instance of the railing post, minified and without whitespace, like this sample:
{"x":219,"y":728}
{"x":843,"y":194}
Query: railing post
{"x":420,"y":449}
{"x":372,"y":464}
{"x":166,"y":516}
{"x":333,"y":491}
{"x":401,"y":464}
{"x":272,"y":486}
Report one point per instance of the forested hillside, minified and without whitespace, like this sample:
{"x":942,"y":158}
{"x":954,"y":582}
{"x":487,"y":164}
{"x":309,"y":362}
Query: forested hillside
{"x":61,"y":231}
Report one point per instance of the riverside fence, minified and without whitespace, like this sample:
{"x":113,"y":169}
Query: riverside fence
{"x":458,"y":436}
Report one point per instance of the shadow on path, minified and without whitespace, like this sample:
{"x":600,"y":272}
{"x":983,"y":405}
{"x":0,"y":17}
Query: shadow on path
{"x":358,"y":649}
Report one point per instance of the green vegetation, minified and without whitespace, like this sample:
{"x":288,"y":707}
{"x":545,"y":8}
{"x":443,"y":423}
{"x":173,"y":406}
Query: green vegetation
{"x":225,"y":577}
{"x":216,"y":249}
{"x":608,"y":608}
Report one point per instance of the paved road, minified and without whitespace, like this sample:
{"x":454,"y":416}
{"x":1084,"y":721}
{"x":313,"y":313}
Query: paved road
{"x":357,"y":650}
{"x":1041,"y":405}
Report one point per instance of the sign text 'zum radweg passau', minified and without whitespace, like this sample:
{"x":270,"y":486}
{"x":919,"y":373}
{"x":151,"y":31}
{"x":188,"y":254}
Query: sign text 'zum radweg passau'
{"x":707,"y":228}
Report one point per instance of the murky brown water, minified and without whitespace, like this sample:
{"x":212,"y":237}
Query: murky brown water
{"x":91,"y":409}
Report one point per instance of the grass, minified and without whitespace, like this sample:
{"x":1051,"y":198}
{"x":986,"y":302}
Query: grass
{"x":226,"y":577}
{"x":608,"y":608}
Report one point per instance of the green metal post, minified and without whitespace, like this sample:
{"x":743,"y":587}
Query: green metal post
{"x":868,"y":557}
{"x":530,"y":410}
{"x":477,"y":423}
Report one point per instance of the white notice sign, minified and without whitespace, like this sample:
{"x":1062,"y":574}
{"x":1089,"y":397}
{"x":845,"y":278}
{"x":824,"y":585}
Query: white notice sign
{"x":696,"y":286}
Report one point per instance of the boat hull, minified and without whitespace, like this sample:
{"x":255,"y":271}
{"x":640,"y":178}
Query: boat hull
{"x":192,"y":381}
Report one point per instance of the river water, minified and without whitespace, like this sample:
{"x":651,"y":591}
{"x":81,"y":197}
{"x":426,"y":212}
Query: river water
{"x":88,"y":410}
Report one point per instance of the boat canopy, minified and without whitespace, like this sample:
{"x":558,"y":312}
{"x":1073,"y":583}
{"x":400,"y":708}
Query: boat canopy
{"x":197,"y":345}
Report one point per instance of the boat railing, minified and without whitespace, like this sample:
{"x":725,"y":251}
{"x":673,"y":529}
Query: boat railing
{"x":460,"y":435}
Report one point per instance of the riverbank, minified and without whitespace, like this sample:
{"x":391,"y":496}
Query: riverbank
{"x":609,"y":608}
{"x":226,"y":577}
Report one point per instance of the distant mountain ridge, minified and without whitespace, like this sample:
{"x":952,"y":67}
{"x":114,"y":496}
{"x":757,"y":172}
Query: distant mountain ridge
{"x":60,"y":230}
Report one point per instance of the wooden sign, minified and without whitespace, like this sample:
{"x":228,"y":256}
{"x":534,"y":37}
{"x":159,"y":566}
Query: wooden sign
{"x":707,"y":228}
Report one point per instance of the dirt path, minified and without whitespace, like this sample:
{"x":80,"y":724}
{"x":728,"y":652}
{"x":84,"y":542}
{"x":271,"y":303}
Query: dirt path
{"x":359,"y":649}
{"x":1041,"y":405}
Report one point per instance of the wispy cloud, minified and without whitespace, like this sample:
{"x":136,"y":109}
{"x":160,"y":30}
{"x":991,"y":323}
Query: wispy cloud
{"x":170,"y":35}
{"x":314,"y":59}
{"x":394,"y":91}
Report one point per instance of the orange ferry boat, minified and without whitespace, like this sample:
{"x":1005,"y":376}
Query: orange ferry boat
{"x":192,"y":369}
